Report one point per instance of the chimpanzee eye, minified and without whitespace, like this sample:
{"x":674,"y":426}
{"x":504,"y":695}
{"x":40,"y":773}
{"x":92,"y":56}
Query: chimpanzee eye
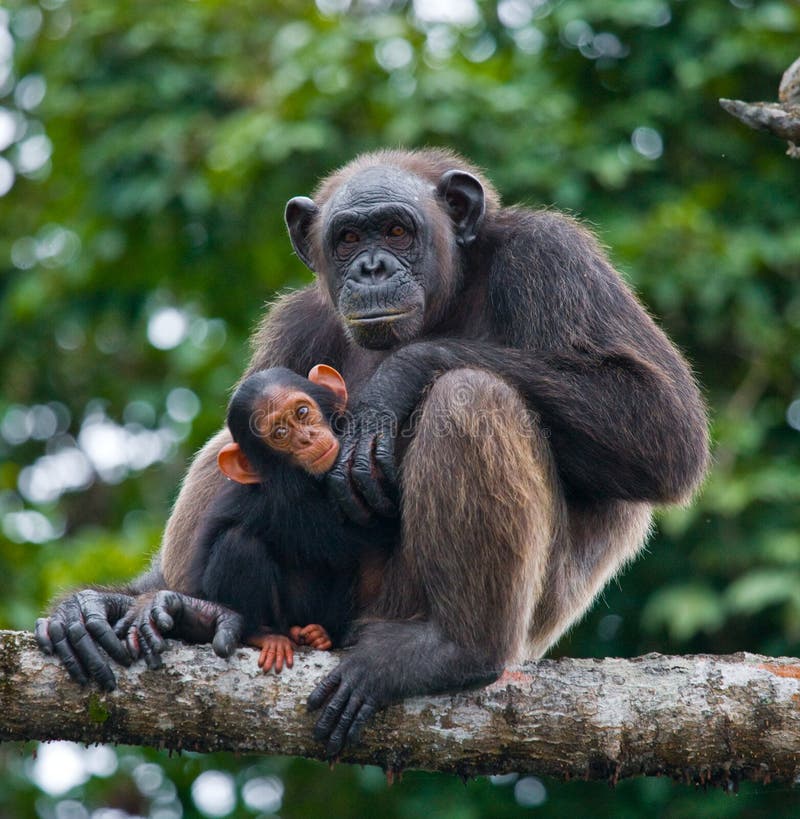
{"x":280,"y":432}
{"x":397,"y":231}
{"x":350,"y":237}
{"x":302,"y":411}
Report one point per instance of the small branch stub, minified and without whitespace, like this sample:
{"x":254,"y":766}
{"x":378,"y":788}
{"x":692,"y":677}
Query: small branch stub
{"x":703,"y":719}
{"x":779,"y":118}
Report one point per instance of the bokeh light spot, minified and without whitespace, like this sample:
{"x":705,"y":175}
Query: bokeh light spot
{"x":182,"y":404}
{"x":7,"y":176}
{"x":167,"y":328}
{"x":263,"y":794}
{"x":454,"y":12}
{"x":793,"y":414}
{"x":59,"y":767}
{"x":647,"y":142}
{"x":30,"y":91}
{"x":530,"y":792}
{"x":214,"y":793}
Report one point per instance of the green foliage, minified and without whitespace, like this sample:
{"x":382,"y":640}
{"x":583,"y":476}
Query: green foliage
{"x":143,"y":233}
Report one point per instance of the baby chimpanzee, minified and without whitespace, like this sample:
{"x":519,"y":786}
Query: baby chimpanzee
{"x":272,"y":546}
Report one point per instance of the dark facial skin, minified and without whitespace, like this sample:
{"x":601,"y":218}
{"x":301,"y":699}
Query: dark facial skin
{"x":380,"y":248}
{"x":291,"y":424}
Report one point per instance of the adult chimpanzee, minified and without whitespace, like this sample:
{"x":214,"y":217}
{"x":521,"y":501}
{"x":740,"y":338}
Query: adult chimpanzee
{"x":553,"y":414}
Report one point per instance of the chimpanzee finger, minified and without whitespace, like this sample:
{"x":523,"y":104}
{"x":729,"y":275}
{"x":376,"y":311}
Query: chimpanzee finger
{"x":151,"y":658}
{"x":354,"y":734}
{"x":313,"y":635}
{"x":65,"y":652}
{"x":150,"y":632}
{"x":228,"y":632}
{"x":166,"y":607}
{"x":384,"y":458}
{"x":266,"y":658}
{"x":283,"y":654}
{"x":341,"y":730}
{"x":123,"y":625}
{"x":133,"y":642}
{"x":321,"y":693}
{"x":101,"y":631}
{"x":343,"y":494}
{"x":42,"y":634}
{"x":152,"y":644}
{"x":332,"y":713}
{"x":271,"y":657}
{"x":366,"y":480}
{"x":341,"y":488}
{"x":91,"y":659}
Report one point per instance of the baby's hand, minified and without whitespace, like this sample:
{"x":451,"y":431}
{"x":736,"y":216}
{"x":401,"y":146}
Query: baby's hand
{"x":276,"y":649}
{"x":312,"y":635}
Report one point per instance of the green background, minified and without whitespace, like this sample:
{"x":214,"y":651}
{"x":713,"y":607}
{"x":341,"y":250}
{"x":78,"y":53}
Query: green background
{"x":148,"y":151}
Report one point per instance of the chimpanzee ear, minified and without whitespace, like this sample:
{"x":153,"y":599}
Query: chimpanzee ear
{"x":299,"y":214}
{"x":326,"y":376}
{"x":234,"y":464}
{"x":466,"y":203}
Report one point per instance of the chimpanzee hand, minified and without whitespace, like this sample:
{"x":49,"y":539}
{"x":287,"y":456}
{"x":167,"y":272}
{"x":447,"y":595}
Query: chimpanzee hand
{"x":393,"y":659}
{"x":364,"y":479}
{"x":79,"y":627}
{"x":351,"y":694}
{"x":313,"y":635}
{"x":177,"y":615}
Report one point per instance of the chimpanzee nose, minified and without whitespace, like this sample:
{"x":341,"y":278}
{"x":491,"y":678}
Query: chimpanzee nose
{"x":306,"y":437}
{"x":371,"y":267}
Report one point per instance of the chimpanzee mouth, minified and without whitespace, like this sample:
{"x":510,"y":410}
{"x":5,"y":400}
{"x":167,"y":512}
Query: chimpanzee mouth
{"x":332,"y":450}
{"x":378,"y":318}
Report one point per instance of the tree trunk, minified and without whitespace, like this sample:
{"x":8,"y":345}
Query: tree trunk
{"x":703,"y":719}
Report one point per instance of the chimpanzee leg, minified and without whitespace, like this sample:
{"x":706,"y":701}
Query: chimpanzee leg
{"x":481,"y":506}
{"x":598,"y":541}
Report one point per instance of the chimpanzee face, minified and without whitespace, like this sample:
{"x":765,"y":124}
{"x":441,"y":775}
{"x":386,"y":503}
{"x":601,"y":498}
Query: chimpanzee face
{"x":385,"y":246}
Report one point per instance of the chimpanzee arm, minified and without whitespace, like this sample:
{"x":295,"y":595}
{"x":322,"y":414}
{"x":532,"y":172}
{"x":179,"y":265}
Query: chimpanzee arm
{"x":625,"y":415}
{"x":128,"y":622}
{"x":620,"y":426}
{"x":232,"y":568}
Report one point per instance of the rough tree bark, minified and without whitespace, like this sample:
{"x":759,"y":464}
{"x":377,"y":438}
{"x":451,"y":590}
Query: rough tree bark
{"x":779,"y":118}
{"x":711,"y":720}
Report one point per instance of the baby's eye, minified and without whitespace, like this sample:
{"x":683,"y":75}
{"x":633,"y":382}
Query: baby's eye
{"x":280,"y":432}
{"x":302,"y":412}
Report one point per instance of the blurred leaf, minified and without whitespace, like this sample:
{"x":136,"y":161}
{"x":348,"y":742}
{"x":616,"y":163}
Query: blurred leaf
{"x":756,"y":590}
{"x":684,"y":611}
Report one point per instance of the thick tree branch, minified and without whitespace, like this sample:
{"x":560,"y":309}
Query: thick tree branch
{"x":702,"y":718}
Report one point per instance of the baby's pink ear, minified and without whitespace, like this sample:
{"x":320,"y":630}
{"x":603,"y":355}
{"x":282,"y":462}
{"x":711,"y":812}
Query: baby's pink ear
{"x":326,"y":376}
{"x":233,"y":462}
